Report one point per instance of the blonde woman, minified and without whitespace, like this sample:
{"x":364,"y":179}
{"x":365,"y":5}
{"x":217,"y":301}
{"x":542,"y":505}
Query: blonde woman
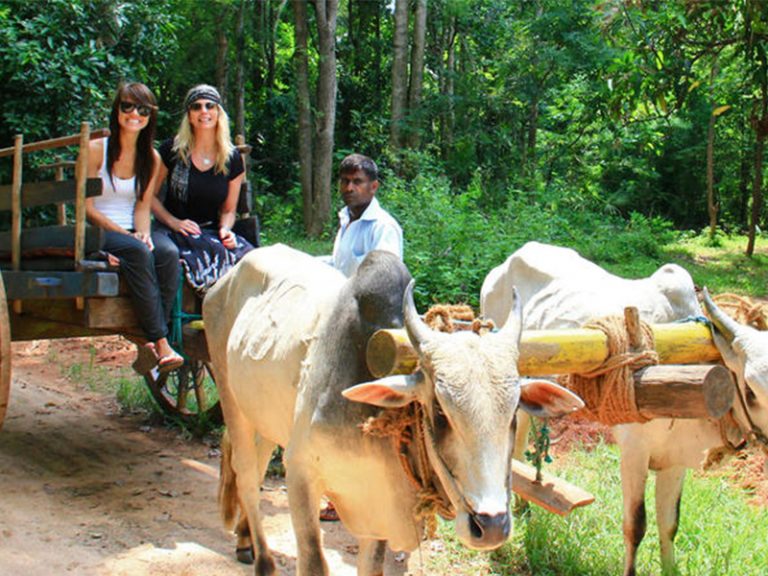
{"x":128,"y":164}
{"x":203,"y":171}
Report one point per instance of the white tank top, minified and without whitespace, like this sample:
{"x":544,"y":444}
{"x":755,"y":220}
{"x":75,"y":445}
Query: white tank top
{"x":117,"y":200}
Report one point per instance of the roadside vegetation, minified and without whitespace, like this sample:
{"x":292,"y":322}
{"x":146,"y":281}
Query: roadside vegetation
{"x":720,"y":533}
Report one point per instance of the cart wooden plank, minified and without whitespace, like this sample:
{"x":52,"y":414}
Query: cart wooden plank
{"x":50,"y":192}
{"x":26,"y":285}
{"x":50,"y":319}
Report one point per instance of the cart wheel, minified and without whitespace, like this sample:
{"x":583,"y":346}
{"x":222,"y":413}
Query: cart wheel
{"x":5,"y":353}
{"x":188,"y":393}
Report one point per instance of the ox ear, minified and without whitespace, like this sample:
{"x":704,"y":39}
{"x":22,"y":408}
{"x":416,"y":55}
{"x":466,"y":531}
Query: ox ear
{"x":543,"y":398}
{"x":389,"y":392}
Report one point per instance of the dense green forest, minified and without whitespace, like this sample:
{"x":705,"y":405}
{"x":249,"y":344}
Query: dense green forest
{"x":607,"y":125}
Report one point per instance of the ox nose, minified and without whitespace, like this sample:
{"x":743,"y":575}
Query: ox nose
{"x":490,"y":529}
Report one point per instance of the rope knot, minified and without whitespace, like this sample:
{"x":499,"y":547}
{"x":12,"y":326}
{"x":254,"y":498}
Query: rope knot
{"x":608,"y":391}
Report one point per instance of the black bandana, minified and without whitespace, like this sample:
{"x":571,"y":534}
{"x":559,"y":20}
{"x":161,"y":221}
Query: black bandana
{"x":202,"y":92}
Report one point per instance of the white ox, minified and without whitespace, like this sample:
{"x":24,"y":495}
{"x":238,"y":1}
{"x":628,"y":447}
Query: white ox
{"x":560,"y":289}
{"x":287,"y":336}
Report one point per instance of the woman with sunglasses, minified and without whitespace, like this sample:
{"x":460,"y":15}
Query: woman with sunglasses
{"x":128,"y":166}
{"x":204,"y":172}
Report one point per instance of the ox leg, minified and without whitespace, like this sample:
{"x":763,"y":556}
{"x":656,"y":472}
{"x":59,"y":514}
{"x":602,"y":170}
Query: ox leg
{"x":250,"y":460}
{"x":634,"y":475}
{"x":370,"y":560}
{"x":304,"y":496}
{"x":244,"y":550}
{"x":669,"y":490}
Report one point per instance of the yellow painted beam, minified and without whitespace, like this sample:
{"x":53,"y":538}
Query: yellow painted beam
{"x":545,"y":352}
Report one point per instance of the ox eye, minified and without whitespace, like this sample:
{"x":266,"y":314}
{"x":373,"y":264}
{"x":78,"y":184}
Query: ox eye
{"x":441,"y":420}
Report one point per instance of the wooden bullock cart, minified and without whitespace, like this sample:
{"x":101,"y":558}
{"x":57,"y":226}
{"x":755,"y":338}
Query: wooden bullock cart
{"x":54,"y":285}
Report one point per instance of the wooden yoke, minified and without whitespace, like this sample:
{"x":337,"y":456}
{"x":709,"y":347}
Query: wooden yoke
{"x":565,"y":351}
{"x":671,"y":390}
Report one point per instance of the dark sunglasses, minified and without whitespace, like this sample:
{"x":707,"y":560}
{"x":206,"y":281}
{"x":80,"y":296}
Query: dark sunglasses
{"x":128,"y":107}
{"x":197,"y":106}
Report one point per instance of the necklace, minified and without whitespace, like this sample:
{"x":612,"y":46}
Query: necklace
{"x":204,"y":159}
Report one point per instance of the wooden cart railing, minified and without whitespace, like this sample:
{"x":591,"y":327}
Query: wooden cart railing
{"x":65,"y":294}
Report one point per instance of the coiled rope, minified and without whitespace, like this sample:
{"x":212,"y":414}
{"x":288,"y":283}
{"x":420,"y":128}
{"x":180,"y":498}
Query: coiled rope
{"x":609,"y":391}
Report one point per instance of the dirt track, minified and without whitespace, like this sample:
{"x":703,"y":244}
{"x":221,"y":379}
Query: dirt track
{"x":86,"y":491}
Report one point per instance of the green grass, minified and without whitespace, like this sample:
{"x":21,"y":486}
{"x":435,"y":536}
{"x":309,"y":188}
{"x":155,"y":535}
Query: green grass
{"x":720,"y":533}
{"x":129,"y":388}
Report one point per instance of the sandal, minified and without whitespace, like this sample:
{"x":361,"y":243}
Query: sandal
{"x":329,"y":513}
{"x":170,"y":362}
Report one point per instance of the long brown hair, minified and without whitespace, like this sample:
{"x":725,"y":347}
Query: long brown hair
{"x":144,"y":162}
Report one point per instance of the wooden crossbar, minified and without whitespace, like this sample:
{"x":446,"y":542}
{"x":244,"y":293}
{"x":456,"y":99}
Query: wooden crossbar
{"x":54,"y":142}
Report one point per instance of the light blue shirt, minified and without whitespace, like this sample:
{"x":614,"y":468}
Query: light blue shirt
{"x":374,"y":230}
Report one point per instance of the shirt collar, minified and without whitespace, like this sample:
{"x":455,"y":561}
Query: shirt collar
{"x":372,"y":212}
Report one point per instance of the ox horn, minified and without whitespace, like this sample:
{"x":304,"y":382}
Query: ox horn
{"x":513,"y":327}
{"x":726,"y":325}
{"x":418,"y":332}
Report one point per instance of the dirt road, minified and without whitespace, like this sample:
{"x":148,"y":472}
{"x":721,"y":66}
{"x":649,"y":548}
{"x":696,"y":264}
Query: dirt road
{"x":86,"y":491}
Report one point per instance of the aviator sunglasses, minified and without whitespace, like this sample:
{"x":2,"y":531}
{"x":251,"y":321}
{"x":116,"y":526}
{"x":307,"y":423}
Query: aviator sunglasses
{"x":128,"y":107}
{"x":197,"y":106}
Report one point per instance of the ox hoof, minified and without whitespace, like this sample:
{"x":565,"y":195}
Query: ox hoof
{"x":245,"y":555}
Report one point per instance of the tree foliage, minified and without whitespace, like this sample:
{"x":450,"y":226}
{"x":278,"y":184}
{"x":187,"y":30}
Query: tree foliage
{"x":610,"y":108}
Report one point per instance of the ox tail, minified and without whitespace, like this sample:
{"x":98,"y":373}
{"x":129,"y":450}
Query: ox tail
{"x":229,"y":503}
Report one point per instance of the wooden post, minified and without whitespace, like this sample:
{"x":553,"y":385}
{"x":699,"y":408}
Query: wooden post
{"x":18,"y":159}
{"x":81,"y":177}
{"x":634,"y":328}
{"x":61,"y":209}
{"x":244,"y":201}
{"x":546,"y":352}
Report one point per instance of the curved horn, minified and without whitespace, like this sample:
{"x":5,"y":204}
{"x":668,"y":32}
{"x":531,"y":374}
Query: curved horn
{"x":418,"y":332}
{"x":513,"y":327}
{"x":726,"y":325}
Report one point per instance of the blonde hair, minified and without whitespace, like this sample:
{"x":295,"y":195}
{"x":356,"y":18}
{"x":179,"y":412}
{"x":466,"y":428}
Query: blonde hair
{"x":185,"y":141}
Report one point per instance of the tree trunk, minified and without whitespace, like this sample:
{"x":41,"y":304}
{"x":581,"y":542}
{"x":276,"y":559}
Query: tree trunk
{"x":269,"y":43}
{"x":743,"y":172}
{"x":222,"y":47}
{"x":239,"y":91}
{"x":417,"y":73}
{"x":761,"y":130}
{"x":757,"y":187}
{"x":447,"y":118}
{"x":712,"y":207}
{"x":305,"y":119}
{"x":530,"y":148}
{"x":399,"y":73}
{"x":322,"y":171}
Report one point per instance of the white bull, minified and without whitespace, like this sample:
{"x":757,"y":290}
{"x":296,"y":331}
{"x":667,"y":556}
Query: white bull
{"x":560,"y":289}
{"x":287,"y":337}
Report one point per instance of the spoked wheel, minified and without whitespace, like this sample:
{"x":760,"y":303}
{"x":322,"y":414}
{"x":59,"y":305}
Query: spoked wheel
{"x":188,"y":393}
{"x":5,"y":353}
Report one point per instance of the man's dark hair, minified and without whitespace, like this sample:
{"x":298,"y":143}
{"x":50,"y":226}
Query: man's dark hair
{"x":355,"y":162}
